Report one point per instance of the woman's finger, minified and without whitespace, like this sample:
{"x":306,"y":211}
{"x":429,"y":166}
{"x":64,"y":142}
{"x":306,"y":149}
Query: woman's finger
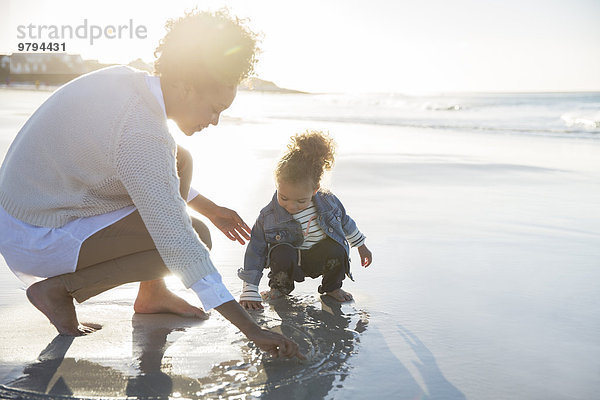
{"x":289,"y":348}
{"x":227,"y":233}
{"x":232,"y":235}
{"x":242,"y":227}
{"x":292,"y":348}
{"x":283,"y":348}
{"x":236,"y":236}
{"x":296,"y":352}
{"x":245,"y":230}
{"x":242,"y":232}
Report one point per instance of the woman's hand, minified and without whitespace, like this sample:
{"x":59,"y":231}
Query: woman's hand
{"x":275,"y":344}
{"x":230,"y":223}
{"x":366,"y":257}
{"x":252,"y":305}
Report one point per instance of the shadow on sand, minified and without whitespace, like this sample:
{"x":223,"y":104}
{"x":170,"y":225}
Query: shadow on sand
{"x":328,"y":333}
{"x":323,"y":334}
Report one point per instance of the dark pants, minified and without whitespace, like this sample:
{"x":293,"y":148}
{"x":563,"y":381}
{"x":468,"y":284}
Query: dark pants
{"x":326,"y":258}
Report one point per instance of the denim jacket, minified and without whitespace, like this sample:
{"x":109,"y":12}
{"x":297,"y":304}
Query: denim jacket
{"x":275,"y":226}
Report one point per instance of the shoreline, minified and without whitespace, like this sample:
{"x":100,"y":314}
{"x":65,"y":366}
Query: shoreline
{"x":485,"y":258}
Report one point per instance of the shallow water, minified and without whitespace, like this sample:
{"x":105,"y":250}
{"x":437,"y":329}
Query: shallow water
{"x":484,"y":283}
{"x":172,"y":356}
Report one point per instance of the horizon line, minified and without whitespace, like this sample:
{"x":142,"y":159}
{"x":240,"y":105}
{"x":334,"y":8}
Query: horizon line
{"x":428,"y":92}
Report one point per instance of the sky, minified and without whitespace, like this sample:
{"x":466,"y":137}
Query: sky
{"x":364,"y":46}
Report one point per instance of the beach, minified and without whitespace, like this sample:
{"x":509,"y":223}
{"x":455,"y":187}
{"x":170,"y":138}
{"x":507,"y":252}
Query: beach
{"x":482,"y":213}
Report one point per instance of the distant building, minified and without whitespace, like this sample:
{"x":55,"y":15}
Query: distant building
{"x":4,"y":61}
{"x":46,"y":68}
{"x":51,"y":69}
{"x":50,"y":63}
{"x":4,"y":68}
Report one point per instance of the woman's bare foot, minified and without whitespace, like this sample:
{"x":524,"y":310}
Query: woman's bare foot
{"x":340,"y":295}
{"x":154,"y":298}
{"x":271,"y":294}
{"x":51,"y":297}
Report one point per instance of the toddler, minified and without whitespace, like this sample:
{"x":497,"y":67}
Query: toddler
{"x":304,"y":231}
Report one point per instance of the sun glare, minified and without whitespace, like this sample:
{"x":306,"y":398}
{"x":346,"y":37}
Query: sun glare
{"x":383,"y":47}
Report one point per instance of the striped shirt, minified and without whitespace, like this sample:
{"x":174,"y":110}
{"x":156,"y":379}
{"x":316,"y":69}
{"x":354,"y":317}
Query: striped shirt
{"x":308,"y":219}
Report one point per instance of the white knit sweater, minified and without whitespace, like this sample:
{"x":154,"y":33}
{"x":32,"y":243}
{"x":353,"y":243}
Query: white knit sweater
{"x":96,"y":145}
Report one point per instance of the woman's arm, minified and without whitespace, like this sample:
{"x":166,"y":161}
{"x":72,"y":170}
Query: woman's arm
{"x":275,"y":344}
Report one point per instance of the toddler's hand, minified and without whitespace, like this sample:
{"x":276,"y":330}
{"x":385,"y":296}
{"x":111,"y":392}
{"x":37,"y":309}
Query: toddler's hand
{"x":251,"y":305}
{"x":366,"y":257}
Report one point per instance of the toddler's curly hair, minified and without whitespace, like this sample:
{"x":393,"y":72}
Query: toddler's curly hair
{"x":204,"y":44}
{"x":309,"y":155}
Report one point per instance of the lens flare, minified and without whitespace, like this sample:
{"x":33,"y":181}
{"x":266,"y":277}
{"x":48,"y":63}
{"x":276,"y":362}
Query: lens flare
{"x":233,"y":50}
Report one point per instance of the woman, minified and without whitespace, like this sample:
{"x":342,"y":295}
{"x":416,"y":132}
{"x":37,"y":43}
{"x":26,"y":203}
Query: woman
{"x":92,"y":189}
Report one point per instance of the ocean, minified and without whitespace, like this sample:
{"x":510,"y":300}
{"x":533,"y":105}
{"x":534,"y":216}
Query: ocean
{"x":482,"y":213}
{"x":551,"y":114}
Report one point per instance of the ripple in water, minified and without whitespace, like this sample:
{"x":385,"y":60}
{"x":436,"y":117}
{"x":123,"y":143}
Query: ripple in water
{"x":328,"y":334}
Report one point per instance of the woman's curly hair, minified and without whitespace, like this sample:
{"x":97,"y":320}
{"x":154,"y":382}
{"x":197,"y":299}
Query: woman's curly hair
{"x":309,"y":155}
{"x":204,"y":46}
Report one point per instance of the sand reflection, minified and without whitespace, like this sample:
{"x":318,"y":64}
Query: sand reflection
{"x":327,"y":332}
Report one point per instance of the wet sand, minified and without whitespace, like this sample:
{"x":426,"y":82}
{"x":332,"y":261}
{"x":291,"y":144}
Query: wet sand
{"x":484,"y":283}
{"x":150,"y":356}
